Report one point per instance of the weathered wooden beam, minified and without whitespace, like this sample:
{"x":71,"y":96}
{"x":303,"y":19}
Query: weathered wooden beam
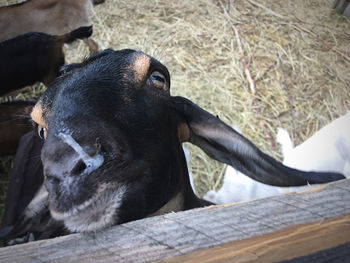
{"x":176,"y":234}
{"x":287,"y":244}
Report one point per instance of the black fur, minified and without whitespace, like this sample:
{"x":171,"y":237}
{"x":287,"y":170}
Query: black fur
{"x":138,"y":128}
{"x":33,"y":57}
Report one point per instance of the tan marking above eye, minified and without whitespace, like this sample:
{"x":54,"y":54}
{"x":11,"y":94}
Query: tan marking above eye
{"x":37,"y":115}
{"x":140,"y":66}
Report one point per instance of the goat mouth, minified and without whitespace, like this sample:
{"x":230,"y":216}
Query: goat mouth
{"x":94,"y":214}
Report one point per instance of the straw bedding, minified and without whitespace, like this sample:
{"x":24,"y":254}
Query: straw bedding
{"x":300,"y":83}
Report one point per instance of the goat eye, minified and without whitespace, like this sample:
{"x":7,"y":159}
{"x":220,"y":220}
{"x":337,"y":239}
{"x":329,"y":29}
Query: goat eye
{"x":157,"y":80}
{"x":42,"y":131}
{"x":62,"y":70}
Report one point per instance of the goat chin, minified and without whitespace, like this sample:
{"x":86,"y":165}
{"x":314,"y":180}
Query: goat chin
{"x":96,"y":214}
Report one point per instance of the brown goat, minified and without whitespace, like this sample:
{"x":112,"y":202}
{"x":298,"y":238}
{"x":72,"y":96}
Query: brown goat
{"x":14,"y":123}
{"x":26,"y":177}
{"x":54,"y":17}
{"x":33,"y":57}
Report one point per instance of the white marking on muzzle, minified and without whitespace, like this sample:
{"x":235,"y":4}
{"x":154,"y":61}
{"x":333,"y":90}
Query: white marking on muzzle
{"x":92,"y":163}
{"x":98,"y":212}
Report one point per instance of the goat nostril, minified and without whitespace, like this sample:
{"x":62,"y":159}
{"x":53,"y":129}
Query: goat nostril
{"x":52,"y":179}
{"x":79,"y":168}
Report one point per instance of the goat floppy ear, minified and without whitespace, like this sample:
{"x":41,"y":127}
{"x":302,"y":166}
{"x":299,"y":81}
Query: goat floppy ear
{"x":224,"y":144}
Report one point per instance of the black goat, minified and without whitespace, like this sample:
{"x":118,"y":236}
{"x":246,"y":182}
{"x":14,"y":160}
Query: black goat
{"x":112,"y":150}
{"x":33,"y":57}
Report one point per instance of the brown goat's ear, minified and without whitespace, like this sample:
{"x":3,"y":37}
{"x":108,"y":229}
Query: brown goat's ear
{"x":224,"y":144}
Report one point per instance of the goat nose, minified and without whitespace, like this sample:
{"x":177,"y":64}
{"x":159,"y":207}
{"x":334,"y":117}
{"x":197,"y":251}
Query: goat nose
{"x":79,"y":168}
{"x":69,"y":166}
{"x":86,"y":164}
{"x":66,"y":158}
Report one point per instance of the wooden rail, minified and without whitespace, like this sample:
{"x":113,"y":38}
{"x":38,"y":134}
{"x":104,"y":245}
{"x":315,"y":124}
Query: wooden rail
{"x":292,"y":226}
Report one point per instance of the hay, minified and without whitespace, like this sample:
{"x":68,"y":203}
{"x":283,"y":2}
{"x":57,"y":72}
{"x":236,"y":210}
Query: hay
{"x":195,"y":40}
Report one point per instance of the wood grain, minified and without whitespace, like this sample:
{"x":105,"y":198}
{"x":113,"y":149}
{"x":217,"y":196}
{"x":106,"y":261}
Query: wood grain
{"x":176,"y":234}
{"x":282,"y":245}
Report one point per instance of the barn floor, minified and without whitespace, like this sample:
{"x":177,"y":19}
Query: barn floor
{"x":300,"y":84}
